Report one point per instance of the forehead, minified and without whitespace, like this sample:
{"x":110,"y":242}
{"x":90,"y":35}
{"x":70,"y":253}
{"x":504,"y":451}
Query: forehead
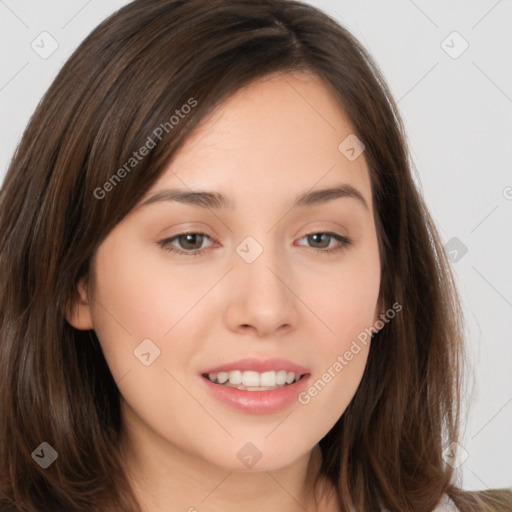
{"x":281,"y":132}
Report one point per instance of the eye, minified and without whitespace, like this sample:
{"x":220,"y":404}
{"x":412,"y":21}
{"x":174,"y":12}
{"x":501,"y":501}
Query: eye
{"x":185,"y":243}
{"x":192,"y":243}
{"x":324,"y":242}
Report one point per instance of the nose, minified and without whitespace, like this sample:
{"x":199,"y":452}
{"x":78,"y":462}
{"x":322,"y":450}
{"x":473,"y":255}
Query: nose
{"x":261,"y":299}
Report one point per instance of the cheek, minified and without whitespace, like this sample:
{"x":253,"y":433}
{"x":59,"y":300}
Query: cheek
{"x":345,"y":299}
{"x":142,"y":297}
{"x":344,"y":296}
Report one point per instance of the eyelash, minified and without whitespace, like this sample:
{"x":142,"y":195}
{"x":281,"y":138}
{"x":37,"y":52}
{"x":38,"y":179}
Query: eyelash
{"x":344,"y":242}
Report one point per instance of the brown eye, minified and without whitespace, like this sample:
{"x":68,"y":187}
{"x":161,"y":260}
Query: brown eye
{"x":190,"y":244}
{"x":190,"y":241}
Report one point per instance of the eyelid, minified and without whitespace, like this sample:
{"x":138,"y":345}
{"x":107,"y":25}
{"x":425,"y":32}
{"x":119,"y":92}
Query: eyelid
{"x":321,"y":226}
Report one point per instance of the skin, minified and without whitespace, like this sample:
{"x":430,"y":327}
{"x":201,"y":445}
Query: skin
{"x":271,"y":141}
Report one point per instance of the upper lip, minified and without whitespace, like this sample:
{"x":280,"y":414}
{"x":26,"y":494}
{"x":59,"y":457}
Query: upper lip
{"x":259,"y":365}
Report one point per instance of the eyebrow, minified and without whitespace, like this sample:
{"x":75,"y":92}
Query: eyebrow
{"x":216,"y":200}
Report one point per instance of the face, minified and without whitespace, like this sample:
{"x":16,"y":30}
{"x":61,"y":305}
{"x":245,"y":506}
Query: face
{"x":257,"y":287}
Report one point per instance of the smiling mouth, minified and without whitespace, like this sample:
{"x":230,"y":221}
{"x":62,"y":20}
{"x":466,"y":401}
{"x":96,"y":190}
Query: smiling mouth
{"x":254,"y":381}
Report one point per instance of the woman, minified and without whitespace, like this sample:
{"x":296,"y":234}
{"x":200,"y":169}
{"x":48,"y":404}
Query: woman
{"x":221,"y":287}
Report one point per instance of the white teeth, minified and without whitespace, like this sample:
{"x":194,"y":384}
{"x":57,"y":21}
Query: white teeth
{"x":290,"y":377}
{"x":235,"y":377}
{"x":221,"y":377}
{"x":250,"y":379}
{"x":253,"y":380}
{"x":268,"y":379}
{"x":281,"y":377}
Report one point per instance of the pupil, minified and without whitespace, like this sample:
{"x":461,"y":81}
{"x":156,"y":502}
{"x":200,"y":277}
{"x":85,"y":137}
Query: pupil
{"x":317,"y":238}
{"x":191,"y":241}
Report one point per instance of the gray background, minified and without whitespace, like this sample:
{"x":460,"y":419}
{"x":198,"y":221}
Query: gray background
{"x":458,"y":114}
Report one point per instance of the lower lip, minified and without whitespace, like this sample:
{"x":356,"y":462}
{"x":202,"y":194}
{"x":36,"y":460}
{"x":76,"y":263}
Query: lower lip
{"x":257,"y":402}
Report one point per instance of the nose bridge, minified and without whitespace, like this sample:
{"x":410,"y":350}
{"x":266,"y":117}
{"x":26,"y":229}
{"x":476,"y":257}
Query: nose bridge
{"x":259,"y":273}
{"x":261,"y":297}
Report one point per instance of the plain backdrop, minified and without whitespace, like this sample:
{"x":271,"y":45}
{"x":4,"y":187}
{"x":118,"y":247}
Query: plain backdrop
{"x":448,"y":65}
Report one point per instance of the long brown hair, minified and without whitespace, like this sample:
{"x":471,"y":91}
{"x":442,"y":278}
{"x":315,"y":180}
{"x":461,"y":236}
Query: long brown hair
{"x":126,"y":79}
